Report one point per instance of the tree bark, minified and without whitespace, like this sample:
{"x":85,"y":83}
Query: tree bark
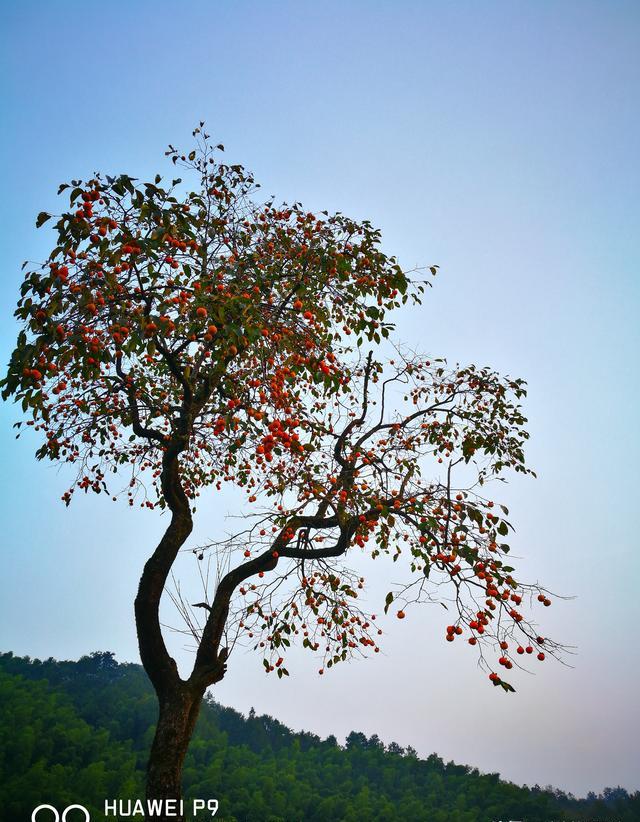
{"x":176,"y":721}
{"x":156,"y":660}
{"x":179,"y":701}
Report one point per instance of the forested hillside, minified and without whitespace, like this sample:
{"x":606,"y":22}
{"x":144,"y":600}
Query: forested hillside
{"x":79,"y":732}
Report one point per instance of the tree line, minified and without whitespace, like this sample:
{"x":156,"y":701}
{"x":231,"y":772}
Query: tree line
{"x":80,"y":732}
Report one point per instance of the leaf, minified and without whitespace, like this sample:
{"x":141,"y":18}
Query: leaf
{"x":42,"y":218}
{"x":503,"y":529}
{"x":388,"y":600}
{"x":475,"y":515}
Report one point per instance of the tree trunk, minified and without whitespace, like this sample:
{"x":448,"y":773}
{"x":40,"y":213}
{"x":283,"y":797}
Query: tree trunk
{"x":177,"y":717}
{"x":179,"y":700}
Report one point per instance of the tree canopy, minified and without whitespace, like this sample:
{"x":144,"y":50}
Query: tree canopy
{"x":197,"y":337}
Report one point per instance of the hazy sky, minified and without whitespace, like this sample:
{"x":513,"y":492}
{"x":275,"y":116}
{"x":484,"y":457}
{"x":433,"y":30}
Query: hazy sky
{"x":497,"y":139}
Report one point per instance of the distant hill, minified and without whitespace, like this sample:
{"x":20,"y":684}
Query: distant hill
{"x":80,"y":731}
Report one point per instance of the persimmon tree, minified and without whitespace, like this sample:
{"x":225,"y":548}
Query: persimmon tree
{"x":179,"y":339}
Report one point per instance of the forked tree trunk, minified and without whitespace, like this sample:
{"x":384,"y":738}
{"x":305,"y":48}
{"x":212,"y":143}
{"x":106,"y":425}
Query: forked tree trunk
{"x":179,"y":700}
{"x":176,"y":721}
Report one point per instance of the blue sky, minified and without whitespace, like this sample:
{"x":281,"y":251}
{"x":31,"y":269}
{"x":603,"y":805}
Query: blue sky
{"x":496,"y":139}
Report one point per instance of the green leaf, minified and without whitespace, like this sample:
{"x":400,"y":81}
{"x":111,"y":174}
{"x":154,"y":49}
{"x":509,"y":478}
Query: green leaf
{"x":388,"y":600}
{"x":42,"y":218}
